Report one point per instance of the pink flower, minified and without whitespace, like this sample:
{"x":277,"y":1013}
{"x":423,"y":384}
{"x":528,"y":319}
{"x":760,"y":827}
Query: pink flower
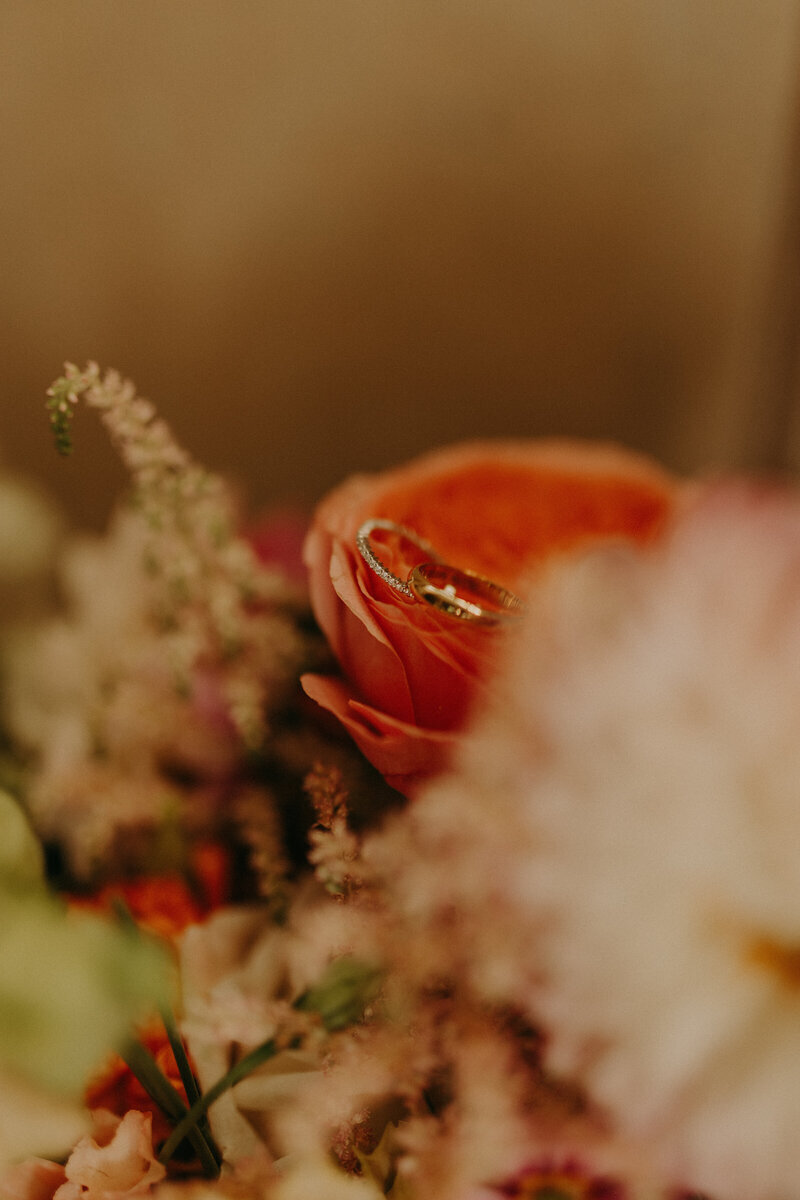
{"x":410,"y":674}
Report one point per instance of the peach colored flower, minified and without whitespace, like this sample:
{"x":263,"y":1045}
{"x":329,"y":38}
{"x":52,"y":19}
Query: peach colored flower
{"x":410,"y":674}
{"x":117,"y":1162}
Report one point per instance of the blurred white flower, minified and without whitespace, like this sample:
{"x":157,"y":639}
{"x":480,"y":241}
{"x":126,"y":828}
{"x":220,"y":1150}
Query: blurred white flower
{"x":93,"y":694}
{"x":317,"y":1177}
{"x":238,"y":983}
{"x":632,"y":806}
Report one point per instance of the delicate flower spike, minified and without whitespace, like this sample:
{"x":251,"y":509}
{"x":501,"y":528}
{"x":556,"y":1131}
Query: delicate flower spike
{"x":63,"y":395}
{"x":217,"y":605}
{"x":334,"y":849}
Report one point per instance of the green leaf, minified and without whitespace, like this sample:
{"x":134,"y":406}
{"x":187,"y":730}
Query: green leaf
{"x":156,"y":1084}
{"x":341,"y":997}
{"x":245,"y":1066}
{"x":71,"y":987}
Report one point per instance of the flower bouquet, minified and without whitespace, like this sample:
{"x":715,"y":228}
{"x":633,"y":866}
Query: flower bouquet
{"x":455,"y":865}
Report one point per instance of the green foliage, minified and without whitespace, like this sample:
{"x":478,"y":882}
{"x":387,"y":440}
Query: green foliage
{"x":21,"y":862}
{"x":71,"y":984}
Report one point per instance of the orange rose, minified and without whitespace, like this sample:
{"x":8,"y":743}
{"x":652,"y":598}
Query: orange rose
{"x":410,"y":672}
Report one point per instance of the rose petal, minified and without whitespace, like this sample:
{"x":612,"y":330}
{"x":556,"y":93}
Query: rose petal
{"x":404,"y":753}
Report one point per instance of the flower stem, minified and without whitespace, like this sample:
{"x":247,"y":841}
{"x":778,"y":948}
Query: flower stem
{"x":156,"y":1084}
{"x":189,"y":1121}
{"x":179,"y":1051}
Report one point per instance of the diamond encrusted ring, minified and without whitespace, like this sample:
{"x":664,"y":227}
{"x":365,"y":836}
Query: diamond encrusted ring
{"x":364,"y":546}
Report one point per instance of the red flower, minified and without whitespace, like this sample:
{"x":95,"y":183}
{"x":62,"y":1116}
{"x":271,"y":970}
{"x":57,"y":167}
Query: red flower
{"x":410,"y":673}
{"x":166,"y":904}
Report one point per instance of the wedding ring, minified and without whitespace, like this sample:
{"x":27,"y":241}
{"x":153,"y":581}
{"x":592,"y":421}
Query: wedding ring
{"x":464,"y":595}
{"x":457,"y":593}
{"x":364,"y":546}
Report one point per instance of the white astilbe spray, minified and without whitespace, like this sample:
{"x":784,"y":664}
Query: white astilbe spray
{"x":633,"y":824}
{"x":214,"y":603}
{"x":92,"y":694}
{"x":174,"y":646}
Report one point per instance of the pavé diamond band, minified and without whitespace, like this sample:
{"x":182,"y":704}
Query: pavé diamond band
{"x":364,"y":544}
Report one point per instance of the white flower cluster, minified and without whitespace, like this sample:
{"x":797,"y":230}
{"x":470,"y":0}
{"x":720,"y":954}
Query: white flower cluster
{"x":627,"y":814}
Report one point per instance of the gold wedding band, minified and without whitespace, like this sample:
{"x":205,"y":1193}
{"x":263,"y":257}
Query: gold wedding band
{"x":463,"y":594}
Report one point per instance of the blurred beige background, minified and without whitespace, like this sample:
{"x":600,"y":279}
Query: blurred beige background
{"x":324,"y":235}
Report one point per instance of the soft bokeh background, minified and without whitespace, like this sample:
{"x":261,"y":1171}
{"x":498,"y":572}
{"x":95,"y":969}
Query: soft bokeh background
{"x":324,"y":235}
